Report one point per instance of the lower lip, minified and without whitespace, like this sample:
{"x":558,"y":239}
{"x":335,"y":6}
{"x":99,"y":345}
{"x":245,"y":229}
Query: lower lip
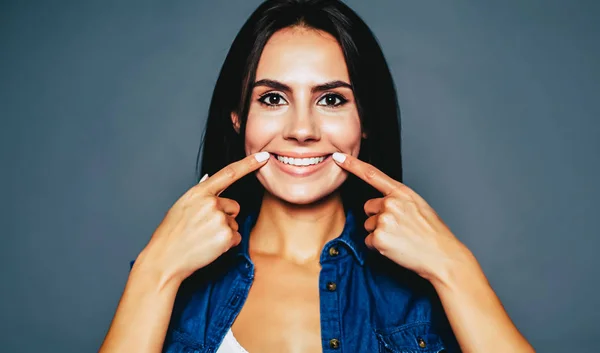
{"x":300,"y":170}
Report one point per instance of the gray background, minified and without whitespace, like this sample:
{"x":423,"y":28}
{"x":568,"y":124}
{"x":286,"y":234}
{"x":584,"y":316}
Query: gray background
{"x":103,"y":104}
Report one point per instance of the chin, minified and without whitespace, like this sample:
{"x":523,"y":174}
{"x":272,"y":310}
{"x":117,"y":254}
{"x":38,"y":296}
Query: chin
{"x":302,"y":193}
{"x":302,"y":198}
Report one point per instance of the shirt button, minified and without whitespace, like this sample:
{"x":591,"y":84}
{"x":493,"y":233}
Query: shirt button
{"x":334,"y":343}
{"x":422,"y":343}
{"x":333,"y":251}
{"x":331,"y":286}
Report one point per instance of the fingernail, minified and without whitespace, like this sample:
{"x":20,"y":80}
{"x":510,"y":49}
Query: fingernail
{"x":262,"y":156}
{"x":338,"y":157}
{"x":203,"y":178}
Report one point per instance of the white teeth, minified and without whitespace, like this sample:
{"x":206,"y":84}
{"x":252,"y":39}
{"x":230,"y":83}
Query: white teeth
{"x":300,"y":161}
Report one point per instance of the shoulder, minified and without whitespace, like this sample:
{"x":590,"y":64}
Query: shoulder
{"x":206,"y":278}
{"x":197,"y":295}
{"x":201,"y":298}
{"x":388,"y":275}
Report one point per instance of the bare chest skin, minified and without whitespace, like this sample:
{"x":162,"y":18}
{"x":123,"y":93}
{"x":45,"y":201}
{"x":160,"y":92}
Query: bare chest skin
{"x":281,"y":313}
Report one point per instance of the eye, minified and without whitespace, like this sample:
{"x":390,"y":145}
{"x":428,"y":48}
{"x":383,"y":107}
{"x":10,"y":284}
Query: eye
{"x":272,"y":100}
{"x":332,"y":100}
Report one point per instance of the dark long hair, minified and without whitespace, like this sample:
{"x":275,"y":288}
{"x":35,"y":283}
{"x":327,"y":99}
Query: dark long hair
{"x":371,"y":81}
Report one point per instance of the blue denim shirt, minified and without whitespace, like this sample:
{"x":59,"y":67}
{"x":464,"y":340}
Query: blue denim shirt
{"x":375,"y":305}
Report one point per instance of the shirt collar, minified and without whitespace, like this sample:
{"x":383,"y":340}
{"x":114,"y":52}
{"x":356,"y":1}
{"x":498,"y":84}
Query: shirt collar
{"x":351,"y":238}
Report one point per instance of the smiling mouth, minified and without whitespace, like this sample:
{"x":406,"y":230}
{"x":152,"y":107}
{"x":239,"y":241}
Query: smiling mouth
{"x":301,"y":162}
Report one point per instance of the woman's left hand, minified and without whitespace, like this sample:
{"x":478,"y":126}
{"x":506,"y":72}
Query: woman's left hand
{"x":403,"y":227}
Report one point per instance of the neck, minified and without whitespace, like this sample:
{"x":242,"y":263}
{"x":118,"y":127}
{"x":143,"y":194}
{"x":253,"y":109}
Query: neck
{"x":296,"y":233}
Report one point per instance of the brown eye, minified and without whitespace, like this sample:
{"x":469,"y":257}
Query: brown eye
{"x":332,"y":100}
{"x":272,"y":99}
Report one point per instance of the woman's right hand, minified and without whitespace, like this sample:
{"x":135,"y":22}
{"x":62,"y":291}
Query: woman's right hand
{"x":200,"y":226}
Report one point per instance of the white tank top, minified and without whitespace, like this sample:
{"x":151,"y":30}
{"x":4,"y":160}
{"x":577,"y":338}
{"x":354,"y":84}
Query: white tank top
{"x":230,"y":345}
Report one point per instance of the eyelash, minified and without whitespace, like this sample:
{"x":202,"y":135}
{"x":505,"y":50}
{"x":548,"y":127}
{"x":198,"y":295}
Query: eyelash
{"x":262,"y":99}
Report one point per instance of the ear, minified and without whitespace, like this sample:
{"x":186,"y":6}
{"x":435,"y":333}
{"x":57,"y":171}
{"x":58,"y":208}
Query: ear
{"x":235,"y":121}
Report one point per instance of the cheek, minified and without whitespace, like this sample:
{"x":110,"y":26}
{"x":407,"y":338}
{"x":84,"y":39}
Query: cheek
{"x":259,"y":132}
{"x":345,"y":134}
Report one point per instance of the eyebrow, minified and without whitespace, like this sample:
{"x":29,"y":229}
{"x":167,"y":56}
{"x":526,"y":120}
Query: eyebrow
{"x":318,"y":88}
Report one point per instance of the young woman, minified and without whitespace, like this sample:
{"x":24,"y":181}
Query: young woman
{"x":301,"y":236}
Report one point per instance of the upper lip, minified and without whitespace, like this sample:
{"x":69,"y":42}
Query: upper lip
{"x":301,"y":154}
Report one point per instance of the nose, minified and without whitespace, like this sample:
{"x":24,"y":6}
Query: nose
{"x":302,"y":125}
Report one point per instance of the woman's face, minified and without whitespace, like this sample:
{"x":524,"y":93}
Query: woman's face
{"x":302,"y":110}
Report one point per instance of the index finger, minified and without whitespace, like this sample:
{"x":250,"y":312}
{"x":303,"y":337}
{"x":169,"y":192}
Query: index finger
{"x":222,"y":179}
{"x":371,"y":175}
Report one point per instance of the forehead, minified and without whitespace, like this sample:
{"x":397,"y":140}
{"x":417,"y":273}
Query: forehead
{"x":301,"y":55}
